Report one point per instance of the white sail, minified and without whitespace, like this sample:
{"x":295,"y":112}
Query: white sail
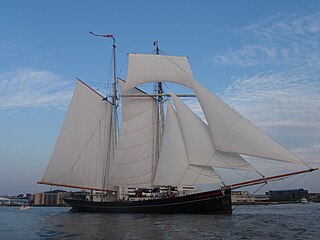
{"x":199,"y":144}
{"x":144,"y":68}
{"x":173,"y":160}
{"x":135,"y":153}
{"x":199,"y":175}
{"x":233,"y":133}
{"x":80,"y":155}
{"x":173,"y":167}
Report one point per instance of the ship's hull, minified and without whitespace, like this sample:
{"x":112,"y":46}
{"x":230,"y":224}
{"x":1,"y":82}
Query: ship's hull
{"x":212,"y":202}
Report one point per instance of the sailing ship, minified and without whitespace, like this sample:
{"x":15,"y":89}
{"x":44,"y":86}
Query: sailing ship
{"x":155,"y":161}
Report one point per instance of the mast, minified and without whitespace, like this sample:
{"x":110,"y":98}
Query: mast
{"x":160,"y":93}
{"x":160,"y":119}
{"x":114,"y":84}
{"x":113,"y":123}
{"x":114,"y":97}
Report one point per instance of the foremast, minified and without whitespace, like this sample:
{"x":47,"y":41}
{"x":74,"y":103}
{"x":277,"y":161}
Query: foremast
{"x":114,"y":84}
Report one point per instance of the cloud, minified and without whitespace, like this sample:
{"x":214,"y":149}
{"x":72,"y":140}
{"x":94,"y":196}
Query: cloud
{"x":32,"y":88}
{"x":280,"y":99}
{"x":284,"y":105}
{"x":280,"y":92}
{"x":280,"y":39}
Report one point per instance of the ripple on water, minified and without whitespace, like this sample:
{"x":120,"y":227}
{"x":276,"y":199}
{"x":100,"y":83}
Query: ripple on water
{"x":293,"y":221}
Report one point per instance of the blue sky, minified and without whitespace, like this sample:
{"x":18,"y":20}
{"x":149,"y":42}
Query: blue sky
{"x":261,"y":57}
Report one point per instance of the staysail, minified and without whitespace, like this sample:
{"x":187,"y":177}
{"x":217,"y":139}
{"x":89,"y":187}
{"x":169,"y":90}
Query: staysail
{"x":173,"y":167}
{"x":80,"y":156}
{"x":199,"y":142}
{"x":234,"y":134}
{"x":134,"y":154}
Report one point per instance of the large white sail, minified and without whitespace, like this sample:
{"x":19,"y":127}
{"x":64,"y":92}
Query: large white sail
{"x":144,"y":68}
{"x":233,"y":133}
{"x":80,"y":155}
{"x":199,"y":144}
{"x":135,"y":152}
{"x":173,"y":167}
{"x":173,"y":160}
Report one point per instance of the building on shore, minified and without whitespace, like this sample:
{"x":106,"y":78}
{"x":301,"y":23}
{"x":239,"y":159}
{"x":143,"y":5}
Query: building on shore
{"x":4,"y":201}
{"x":51,"y":198}
{"x":16,"y":200}
{"x":314,"y":197}
{"x":275,"y":196}
{"x":261,"y":198}
{"x":242,"y":197}
{"x":293,"y":195}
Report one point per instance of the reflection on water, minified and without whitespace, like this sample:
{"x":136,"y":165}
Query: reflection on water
{"x":293,"y":221}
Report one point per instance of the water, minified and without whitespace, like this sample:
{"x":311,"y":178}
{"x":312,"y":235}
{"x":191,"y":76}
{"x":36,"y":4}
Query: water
{"x":289,"y":221}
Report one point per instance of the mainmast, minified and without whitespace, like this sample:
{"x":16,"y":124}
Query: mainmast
{"x":160,"y":119}
{"x":160,"y":93}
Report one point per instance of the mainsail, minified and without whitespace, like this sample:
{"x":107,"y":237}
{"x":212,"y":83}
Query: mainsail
{"x":80,"y":157}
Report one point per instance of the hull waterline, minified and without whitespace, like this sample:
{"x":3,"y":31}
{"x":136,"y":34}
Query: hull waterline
{"x":213,"y":202}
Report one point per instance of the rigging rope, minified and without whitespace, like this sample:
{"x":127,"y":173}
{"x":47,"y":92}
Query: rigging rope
{"x":250,"y":195}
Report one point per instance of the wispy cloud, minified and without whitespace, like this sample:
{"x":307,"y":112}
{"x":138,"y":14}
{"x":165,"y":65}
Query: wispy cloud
{"x":282,"y":39}
{"x":32,"y":88}
{"x":279,"y":98}
{"x":285,"y":105}
{"x":281,"y":90}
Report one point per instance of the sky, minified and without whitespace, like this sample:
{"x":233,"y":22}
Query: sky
{"x":261,"y":57}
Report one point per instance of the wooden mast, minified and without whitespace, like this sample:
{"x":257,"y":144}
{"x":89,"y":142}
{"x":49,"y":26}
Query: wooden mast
{"x":160,"y":119}
{"x":114,"y":84}
{"x":114,"y":97}
{"x":160,"y":92}
{"x":113,"y":123}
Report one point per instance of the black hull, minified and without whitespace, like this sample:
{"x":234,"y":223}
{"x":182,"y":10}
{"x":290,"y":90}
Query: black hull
{"x":212,"y":202}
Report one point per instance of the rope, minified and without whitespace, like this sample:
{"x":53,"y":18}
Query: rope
{"x":250,"y":195}
{"x":295,"y":180}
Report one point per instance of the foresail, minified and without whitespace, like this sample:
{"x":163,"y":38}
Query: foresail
{"x":80,"y":155}
{"x":144,"y":68}
{"x":135,"y":151}
{"x":173,"y":160}
{"x":199,"y":144}
{"x":234,"y":134}
{"x":174,"y":168}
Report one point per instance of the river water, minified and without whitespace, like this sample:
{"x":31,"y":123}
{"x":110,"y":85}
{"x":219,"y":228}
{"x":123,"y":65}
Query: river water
{"x":283,"y":221}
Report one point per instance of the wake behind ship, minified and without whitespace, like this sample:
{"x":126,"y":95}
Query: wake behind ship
{"x":154,"y":162}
